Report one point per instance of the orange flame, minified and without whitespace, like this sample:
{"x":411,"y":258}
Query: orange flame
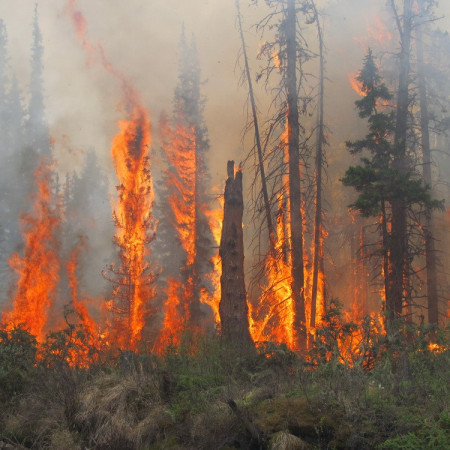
{"x":377,"y":33}
{"x":79,"y":305}
{"x":132,"y":214}
{"x":180,"y":148}
{"x":38,"y":268}
{"x":130,"y":152}
{"x":356,"y":85}
{"x":181,"y":154}
{"x":80,"y":353}
{"x":273,"y":317}
{"x":277,"y":60}
{"x":174,"y":312}
{"x":212,"y":298}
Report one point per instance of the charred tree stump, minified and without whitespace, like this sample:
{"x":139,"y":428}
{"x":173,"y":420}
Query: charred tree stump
{"x":233,"y":307}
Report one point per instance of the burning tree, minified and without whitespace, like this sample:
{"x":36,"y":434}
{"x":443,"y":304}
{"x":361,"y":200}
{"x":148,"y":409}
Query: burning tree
{"x":132,"y":277}
{"x":290,"y":288}
{"x":185,"y":145}
{"x":233,"y":301}
{"x":380,"y":183}
{"x":38,"y":267}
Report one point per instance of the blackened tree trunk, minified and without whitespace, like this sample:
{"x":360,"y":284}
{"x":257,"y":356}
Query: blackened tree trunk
{"x":233,"y":307}
{"x":430,"y":253}
{"x":318,"y":263}
{"x":399,"y":239}
{"x":257,"y":136}
{"x":295,"y":213}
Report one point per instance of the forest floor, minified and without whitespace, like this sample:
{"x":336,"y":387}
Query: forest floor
{"x":204,"y":394}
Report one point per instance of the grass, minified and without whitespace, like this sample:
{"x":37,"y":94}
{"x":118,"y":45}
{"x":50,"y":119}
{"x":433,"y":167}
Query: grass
{"x":181,"y":400}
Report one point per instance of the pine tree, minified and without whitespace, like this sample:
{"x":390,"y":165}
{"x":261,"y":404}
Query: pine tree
{"x":132,"y":277}
{"x":378,"y":181}
{"x":185,"y":147}
{"x":295,"y":210}
{"x":37,"y":130}
{"x":13,"y":199}
{"x":429,"y":231}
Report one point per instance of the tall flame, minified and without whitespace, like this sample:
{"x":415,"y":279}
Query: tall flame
{"x":212,"y":297}
{"x":181,"y":154}
{"x":79,"y":305}
{"x":174,"y":311}
{"x":273,"y":317}
{"x":192,"y":217}
{"x":38,"y":268}
{"x":132,"y":214}
{"x":132,"y":211}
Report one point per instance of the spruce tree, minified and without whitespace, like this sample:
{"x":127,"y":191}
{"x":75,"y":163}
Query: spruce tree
{"x":185,"y":147}
{"x":37,"y":130}
{"x":378,"y":181}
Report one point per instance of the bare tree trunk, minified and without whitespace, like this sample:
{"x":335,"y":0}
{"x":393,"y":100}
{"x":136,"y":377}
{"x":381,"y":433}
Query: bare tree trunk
{"x":295,"y":213}
{"x":385,"y":243}
{"x":257,"y":135}
{"x":430,"y":253}
{"x":233,"y":307}
{"x":399,"y":239}
{"x":192,"y":275}
{"x":320,"y":140}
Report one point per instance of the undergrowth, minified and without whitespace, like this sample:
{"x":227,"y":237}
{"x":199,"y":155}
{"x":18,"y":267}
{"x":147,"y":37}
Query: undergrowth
{"x":380,"y":392}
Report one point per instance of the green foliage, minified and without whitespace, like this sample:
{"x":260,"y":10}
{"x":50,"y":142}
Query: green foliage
{"x":373,"y":392}
{"x":372,"y":87}
{"x":433,"y":434}
{"x":342,"y":342}
{"x":18,"y":349}
{"x":377,"y":180}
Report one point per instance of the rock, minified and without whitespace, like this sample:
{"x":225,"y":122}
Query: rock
{"x":286,"y":441}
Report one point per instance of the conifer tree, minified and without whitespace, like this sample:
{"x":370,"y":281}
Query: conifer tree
{"x":13,"y":196}
{"x":37,"y":130}
{"x":185,"y":147}
{"x":378,"y":181}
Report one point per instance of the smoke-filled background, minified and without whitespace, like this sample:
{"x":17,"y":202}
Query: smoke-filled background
{"x":141,"y":39}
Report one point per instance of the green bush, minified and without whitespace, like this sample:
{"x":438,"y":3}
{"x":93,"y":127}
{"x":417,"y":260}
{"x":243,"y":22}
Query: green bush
{"x":18,"y":349}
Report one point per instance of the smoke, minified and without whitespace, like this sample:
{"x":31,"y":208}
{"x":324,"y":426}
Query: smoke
{"x":140,"y":39}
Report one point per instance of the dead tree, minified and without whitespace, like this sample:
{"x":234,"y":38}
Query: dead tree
{"x":398,"y":276}
{"x":257,"y":135}
{"x":318,"y":263}
{"x":233,"y":307}
{"x":295,"y":211}
{"x":430,"y":252}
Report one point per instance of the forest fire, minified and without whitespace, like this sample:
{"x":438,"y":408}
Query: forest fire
{"x":211,"y":297}
{"x":355,"y":84}
{"x":140,"y":308}
{"x":265,"y":267}
{"x":78,"y":305}
{"x":132,"y":212}
{"x":38,"y":268}
{"x":273,"y":318}
{"x":132,"y":215}
{"x":192,"y":218}
{"x":181,"y":155}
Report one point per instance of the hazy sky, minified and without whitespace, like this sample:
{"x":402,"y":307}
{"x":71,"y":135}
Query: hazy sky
{"x":141,"y":38}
